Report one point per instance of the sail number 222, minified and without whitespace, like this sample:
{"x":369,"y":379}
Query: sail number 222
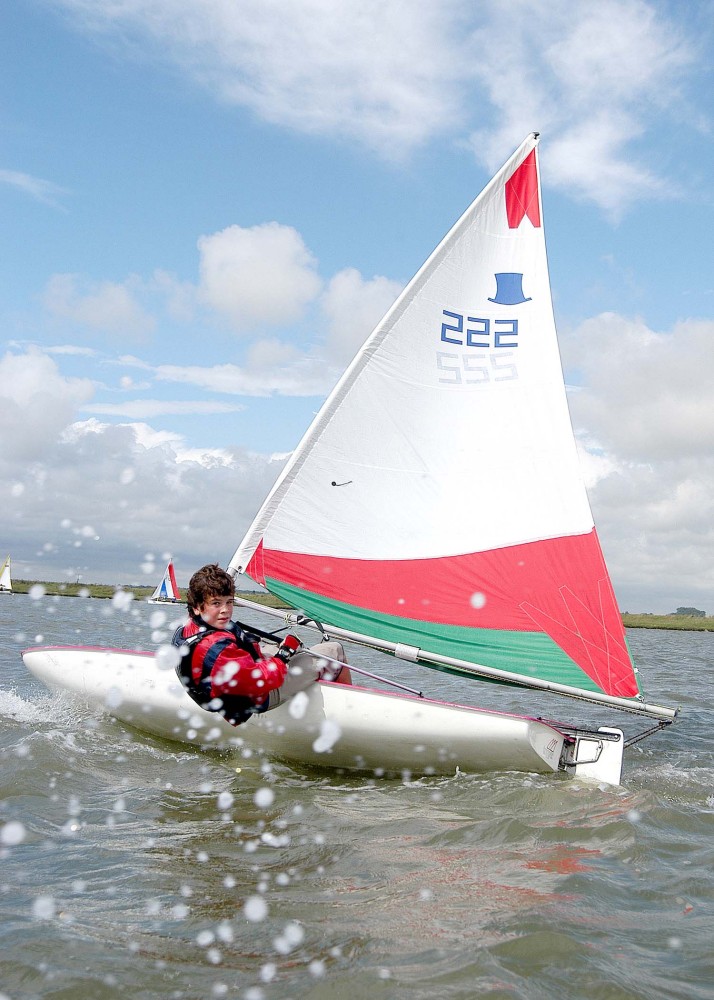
{"x":484,"y":334}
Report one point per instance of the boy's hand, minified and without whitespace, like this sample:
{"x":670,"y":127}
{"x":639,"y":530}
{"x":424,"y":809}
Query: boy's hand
{"x":288,"y":647}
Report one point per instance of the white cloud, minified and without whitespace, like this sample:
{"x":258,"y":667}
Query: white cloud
{"x":645,"y":419}
{"x":37,"y":403}
{"x":395,"y":74}
{"x":647,"y":396}
{"x":588,"y":160}
{"x":71,"y":350}
{"x":145,"y":409}
{"x":387,"y":72}
{"x":588,"y":75}
{"x":643,"y":413}
{"x":655,"y":523}
{"x":35,"y":187}
{"x":252,"y":278}
{"x":353,"y":308}
{"x":131,"y":361}
{"x":140,"y":489}
{"x":291,"y":374}
{"x":260,"y":276}
{"x":179,"y":296}
{"x":106,"y":305}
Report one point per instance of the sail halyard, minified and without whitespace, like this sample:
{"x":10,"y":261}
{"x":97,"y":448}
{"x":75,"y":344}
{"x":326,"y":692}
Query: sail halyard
{"x":436,"y":501}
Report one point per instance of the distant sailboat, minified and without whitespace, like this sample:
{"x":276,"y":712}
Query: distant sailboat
{"x":167,"y":591}
{"x":6,"y":577}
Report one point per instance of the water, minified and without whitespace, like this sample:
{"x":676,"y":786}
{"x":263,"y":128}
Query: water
{"x":135,"y":868}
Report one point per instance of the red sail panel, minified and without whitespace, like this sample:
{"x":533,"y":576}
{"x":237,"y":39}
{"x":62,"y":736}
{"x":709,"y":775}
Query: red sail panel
{"x":520,"y":588}
{"x":522,"y":194}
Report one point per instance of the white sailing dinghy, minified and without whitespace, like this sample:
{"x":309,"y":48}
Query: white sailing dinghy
{"x":434,"y":510}
{"x":6,"y":577}
{"x":167,"y":591}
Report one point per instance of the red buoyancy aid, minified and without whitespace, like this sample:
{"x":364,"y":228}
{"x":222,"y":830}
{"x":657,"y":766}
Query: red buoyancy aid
{"x":223,"y":670}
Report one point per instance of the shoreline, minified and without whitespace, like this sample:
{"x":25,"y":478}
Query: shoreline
{"x":105,"y":591}
{"x":674,"y":622}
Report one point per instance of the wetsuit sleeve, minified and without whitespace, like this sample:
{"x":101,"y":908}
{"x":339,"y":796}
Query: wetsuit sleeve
{"x":235,"y":672}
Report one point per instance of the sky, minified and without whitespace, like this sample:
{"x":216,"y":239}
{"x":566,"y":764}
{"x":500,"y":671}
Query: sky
{"x":207,"y":205}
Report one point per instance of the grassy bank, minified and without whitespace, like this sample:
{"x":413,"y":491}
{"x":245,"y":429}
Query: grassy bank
{"x":107,"y":591}
{"x":681,"y":622}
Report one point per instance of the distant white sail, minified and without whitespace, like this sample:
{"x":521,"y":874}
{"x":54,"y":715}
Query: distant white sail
{"x":6,"y":577}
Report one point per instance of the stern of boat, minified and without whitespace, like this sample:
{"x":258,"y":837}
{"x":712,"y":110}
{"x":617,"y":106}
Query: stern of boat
{"x":597,"y":755}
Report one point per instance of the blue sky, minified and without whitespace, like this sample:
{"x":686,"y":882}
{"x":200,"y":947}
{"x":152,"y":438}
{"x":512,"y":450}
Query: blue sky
{"x":206,"y":206}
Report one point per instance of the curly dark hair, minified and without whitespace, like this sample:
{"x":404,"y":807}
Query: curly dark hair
{"x":209,"y":581}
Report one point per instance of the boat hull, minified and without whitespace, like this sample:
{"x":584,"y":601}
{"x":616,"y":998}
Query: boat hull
{"x":334,"y":726}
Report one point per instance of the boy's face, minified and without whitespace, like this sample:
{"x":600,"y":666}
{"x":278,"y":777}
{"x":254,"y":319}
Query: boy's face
{"x":217,"y":611}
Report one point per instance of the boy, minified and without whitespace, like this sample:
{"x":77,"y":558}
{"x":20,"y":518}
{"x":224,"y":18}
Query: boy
{"x":222,"y":666}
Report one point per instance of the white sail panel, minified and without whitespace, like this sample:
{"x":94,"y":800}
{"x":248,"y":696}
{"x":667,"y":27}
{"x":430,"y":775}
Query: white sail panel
{"x":450,"y":432}
{"x":6,"y":577}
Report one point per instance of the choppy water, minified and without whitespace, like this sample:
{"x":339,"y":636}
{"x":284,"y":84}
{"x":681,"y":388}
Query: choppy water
{"x":134,"y":868}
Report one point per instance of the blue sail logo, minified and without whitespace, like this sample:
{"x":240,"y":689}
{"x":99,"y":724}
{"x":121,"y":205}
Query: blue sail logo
{"x":509,"y":289}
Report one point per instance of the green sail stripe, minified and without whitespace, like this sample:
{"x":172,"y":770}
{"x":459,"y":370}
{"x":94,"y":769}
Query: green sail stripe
{"x":531,"y":654}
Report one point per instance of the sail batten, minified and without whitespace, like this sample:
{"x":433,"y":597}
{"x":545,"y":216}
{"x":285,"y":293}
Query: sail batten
{"x":437,"y":499}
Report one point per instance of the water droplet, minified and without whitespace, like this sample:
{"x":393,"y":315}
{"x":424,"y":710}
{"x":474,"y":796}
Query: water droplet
{"x":255,"y":909}
{"x":267,"y":972}
{"x":298,"y":705}
{"x":12,"y":833}
{"x":114,"y":698}
{"x":264,"y":797}
{"x":44,"y":908}
{"x":167,"y":657}
{"x":330,"y":733}
{"x":121,"y":599}
{"x":292,"y":936}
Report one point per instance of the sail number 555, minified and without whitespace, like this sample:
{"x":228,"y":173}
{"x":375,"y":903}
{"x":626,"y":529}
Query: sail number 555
{"x":475,"y":369}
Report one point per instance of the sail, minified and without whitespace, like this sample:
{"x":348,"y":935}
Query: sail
{"x":6,"y":577}
{"x":436,"y":500}
{"x":167,"y":590}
